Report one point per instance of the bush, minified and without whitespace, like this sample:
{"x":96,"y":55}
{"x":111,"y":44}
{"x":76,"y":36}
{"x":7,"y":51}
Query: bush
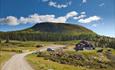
{"x":38,"y":46}
{"x":100,"y":50}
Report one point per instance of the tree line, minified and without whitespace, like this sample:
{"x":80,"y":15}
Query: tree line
{"x":98,"y":41}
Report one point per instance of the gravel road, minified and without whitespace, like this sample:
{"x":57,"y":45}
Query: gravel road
{"x":18,"y":62}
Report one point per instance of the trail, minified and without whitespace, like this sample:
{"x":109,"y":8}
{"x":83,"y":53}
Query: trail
{"x":18,"y":62}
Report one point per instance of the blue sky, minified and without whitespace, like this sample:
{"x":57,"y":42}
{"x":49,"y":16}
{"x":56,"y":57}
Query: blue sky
{"x":97,"y":15}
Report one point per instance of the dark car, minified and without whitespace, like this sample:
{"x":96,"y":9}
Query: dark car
{"x":50,"y":49}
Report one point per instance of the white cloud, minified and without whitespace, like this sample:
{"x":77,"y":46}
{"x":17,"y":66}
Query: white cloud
{"x":79,"y":17}
{"x":23,"y":20}
{"x":61,"y":19}
{"x":56,"y":5}
{"x":102,"y":4}
{"x":51,"y":3}
{"x":84,"y":1}
{"x":89,"y":20}
{"x":36,"y":18}
{"x":71,"y":14}
{"x":83,"y":13}
{"x":10,"y":20}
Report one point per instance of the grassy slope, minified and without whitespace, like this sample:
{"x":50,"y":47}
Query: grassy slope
{"x":58,"y":27}
{"x":40,"y":63}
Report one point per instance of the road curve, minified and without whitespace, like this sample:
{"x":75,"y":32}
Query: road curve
{"x":17,"y":62}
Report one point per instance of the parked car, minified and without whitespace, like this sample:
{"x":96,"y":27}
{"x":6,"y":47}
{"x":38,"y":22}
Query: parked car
{"x":50,"y":49}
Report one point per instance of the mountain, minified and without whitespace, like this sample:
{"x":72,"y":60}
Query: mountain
{"x":58,"y":28}
{"x":49,"y":31}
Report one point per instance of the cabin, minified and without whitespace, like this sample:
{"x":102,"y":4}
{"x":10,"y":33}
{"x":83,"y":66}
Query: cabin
{"x":84,"y":45}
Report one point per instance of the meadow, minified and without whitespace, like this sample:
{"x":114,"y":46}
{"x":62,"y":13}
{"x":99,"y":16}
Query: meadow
{"x":49,"y":62}
{"x":81,"y":60}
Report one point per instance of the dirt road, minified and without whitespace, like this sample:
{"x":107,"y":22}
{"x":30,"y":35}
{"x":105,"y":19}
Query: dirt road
{"x":17,"y":62}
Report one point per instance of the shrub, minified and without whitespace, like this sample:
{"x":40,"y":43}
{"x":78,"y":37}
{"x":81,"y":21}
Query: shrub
{"x":100,"y":50}
{"x":38,"y":46}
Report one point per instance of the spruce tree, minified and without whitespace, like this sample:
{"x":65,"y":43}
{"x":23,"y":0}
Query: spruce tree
{"x":7,"y":40}
{"x":0,"y":41}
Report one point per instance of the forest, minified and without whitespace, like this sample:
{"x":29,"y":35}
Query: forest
{"x":97,"y":40}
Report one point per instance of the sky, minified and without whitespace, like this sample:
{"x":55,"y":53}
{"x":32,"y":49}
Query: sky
{"x":97,"y":15}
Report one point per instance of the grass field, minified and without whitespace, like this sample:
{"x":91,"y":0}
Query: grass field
{"x":39,"y":63}
{"x":19,"y":46}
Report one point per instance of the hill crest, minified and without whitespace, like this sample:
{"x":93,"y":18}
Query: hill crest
{"x":58,"y":28}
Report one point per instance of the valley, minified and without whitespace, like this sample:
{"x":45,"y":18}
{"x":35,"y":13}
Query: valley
{"x":44,"y":61}
{"x":57,"y":34}
{"x":56,"y":46}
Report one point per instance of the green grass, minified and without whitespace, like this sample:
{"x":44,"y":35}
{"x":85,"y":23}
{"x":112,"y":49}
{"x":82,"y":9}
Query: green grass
{"x":113,"y":52}
{"x":18,"y":46}
{"x":17,"y":49}
{"x":39,"y":63}
{"x":4,"y":56}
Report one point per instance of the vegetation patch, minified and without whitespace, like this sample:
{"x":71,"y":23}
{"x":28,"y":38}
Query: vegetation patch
{"x":88,"y":59}
{"x":39,"y":63}
{"x":17,"y":46}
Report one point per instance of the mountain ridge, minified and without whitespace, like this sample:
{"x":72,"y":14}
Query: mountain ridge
{"x":58,"y":28}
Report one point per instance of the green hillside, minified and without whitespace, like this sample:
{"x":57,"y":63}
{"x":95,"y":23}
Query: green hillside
{"x":49,"y":31}
{"x":58,"y":27}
